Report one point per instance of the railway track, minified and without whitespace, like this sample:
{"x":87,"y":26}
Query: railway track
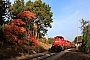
{"x":45,"y":56}
{"x":39,"y":56}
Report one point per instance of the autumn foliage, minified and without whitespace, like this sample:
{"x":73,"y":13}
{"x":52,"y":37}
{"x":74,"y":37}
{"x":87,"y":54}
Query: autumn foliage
{"x":27,"y":14}
{"x":15,"y":32}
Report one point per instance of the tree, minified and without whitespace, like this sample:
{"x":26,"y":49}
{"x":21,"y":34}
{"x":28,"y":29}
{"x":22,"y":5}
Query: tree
{"x":4,"y":11}
{"x":15,"y":31}
{"x":16,"y":34}
{"x":17,"y":7}
{"x":27,"y":17}
{"x":50,"y":40}
{"x":1,"y":19}
{"x":43,"y":13}
{"x":85,"y":26}
{"x":87,"y":37}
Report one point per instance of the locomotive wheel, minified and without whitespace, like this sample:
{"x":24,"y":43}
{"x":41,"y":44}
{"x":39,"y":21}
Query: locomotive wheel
{"x":59,"y":49}
{"x":53,"y":47}
{"x":56,"y":49}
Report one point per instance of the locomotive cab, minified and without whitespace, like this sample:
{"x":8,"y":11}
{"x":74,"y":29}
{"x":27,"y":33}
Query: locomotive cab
{"x":56,"y":46}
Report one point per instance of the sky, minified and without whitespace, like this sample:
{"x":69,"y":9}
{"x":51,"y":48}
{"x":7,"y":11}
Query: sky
{"x":66,"y":17}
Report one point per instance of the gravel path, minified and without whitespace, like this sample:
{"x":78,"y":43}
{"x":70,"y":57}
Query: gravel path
{"x":72,"y":55}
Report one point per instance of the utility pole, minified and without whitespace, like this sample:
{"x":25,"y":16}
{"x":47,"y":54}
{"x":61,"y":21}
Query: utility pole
{"x":77,"y":27}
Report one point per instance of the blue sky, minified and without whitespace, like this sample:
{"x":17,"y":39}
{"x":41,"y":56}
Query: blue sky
{"x":65,"y":17}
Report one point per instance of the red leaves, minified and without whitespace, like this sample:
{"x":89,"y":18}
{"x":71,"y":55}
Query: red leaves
{"x":27,"y":14}
{"x":30,"y":32}
{"x":34,"y":40}
{"x":17,"y":22}
{"x":15,"y":32}
{"x":22,"y":29}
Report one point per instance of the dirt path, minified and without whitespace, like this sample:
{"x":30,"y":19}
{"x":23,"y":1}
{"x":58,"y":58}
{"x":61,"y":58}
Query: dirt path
{"x":74,"y":55}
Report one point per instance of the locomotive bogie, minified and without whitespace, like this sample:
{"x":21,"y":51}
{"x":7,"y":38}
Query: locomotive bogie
{"x":56,"y":48}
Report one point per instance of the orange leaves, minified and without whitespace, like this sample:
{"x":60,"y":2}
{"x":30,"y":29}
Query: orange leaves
{"x":15,"y":32}
{"x":17,"y":22}
{"x":30,"y":32}
{"x":34,"y":40}
{"x":27,"y":14}
{"x":22,"y":29}
{"x":14,"y":29}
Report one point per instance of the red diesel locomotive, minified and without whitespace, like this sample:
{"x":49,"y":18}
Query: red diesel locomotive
{"x":60,"y":44}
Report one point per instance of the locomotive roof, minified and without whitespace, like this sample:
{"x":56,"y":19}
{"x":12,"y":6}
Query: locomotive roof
{"x":59,"y":36}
